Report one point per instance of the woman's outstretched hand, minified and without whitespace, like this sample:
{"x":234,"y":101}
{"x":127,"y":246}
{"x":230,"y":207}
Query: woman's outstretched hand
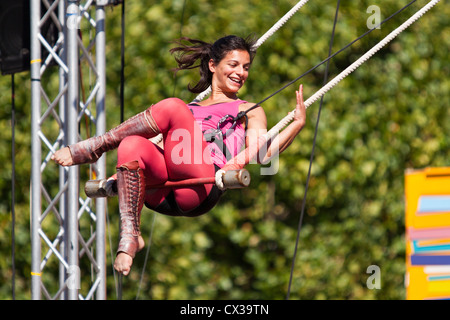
{"x":300,"y":110}
{"x":63,"y":157}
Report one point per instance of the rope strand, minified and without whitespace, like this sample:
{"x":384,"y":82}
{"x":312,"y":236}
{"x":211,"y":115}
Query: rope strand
{"x":280,"y":23}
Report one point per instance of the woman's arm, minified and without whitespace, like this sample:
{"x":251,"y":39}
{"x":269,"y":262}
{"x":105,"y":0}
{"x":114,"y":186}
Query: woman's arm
{"x":257,"y":125}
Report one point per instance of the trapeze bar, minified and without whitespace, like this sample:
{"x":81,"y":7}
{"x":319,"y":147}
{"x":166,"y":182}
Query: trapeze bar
{"x":232,"y":179}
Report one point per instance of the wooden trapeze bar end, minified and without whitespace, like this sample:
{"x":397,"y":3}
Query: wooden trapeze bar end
{"x":232,"y":179}
{"x":236,"y":179}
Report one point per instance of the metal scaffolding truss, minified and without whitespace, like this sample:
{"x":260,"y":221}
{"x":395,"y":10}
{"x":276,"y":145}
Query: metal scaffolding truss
{"x":68,"y":98}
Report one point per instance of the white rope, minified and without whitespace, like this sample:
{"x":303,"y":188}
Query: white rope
{"x":285,"y":121}
{"x":280,"y":23}
{"x":262,"y":39}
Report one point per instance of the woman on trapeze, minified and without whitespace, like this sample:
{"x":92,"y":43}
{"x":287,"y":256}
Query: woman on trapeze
{"x":191,"y":146}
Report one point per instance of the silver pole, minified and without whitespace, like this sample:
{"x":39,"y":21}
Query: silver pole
{"x":35,"y":149}
{"x":63,"y":176}
{"x":72,"y":129}
{"x":101,"y":163}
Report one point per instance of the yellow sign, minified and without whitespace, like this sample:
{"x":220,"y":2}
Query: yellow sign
{"x":427,"y":221}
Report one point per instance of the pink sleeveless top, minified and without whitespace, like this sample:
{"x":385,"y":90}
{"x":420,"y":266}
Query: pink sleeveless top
{"x":208,"y":117}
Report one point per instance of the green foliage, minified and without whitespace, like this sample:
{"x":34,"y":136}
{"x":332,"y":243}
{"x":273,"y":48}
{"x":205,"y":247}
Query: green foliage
{"x":389,"y":115}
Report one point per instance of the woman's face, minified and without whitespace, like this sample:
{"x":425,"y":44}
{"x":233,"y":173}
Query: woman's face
{"x":230,"y":74}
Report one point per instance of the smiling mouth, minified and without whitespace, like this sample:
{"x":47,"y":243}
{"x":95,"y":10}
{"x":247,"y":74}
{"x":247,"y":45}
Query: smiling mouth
{"x":236,"y":81}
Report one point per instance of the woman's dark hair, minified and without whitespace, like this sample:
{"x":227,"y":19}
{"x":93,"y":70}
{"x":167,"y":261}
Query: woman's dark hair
{"x":190,"y":51}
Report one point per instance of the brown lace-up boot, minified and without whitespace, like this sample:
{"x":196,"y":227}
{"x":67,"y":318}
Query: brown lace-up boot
{"x":131,"y":190}
{"x":90,"y":150}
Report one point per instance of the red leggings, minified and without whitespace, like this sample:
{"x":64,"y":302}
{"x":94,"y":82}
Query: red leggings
{"x":185,"y":155}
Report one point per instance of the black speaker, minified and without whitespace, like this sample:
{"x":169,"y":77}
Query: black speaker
{"x":14,"y":36}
